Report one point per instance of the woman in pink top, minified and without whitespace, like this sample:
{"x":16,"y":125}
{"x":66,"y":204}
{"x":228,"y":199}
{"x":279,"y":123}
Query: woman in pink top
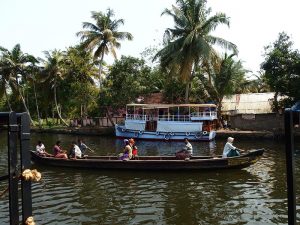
{"x":58,"y":152}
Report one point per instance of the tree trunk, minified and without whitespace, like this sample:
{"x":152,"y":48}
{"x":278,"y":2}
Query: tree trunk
{"x":57,"y":109}
{"x":100,"y":69}
{"x":187,"y":87}
{"x":37,"y":106}
{"x":219,"y":113}
{"x":24,"y":104}
{"x":186,"y":98}
{"x":276,"y":102}
{"x":109,"y":117}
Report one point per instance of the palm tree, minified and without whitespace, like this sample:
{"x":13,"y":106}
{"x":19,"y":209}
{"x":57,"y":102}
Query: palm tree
{"x":54,"y":71}
{"x":4,"y":85}
{"x":15,"y":67}
{"x":223,"y":79}
{"x":259,"y":84}
{"x":33,"y":78}
{"x":80,"y":70}
{"x":190,"y":43}
{"x":103,"y":36}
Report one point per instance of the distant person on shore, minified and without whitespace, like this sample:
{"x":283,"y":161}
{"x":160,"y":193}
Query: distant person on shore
{"x":230,"y":150}
{"x":58,"y":152}
{"x":75,"y":151}
{"x":186,"y":152}
{"x":41,"y":150}
{"x":83,"y":147}
{"x":225,"y":124}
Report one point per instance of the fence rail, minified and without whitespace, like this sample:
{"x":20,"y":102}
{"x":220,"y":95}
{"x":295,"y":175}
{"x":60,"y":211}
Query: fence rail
{"x":175,"y":117}
{"x":96,"y":122}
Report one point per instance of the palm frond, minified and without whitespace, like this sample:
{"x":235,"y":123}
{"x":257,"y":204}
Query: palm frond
{"x":223,"y":43}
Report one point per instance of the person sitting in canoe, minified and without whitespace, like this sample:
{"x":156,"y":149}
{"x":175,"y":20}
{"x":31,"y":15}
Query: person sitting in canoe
{"x":75,"y":151}
{"x":40,"y":149}
{"x":127,"y":152}
{"x":186,"y":152}
{"x":58,"y":152}
{"x":83,"y":147}
{"x":134,"y":148}
{"x":230,"y":150}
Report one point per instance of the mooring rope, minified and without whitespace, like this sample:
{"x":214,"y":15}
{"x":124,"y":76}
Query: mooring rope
{"x":27,"y":175}
{"x":2,"y":193}
{"x":30,"y":221}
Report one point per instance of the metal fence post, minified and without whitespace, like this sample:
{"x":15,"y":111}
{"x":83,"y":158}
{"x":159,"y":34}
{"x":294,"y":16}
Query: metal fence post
{"x":13,"y":168}
{"x":25,"y":164}
{"x":289,"y":149}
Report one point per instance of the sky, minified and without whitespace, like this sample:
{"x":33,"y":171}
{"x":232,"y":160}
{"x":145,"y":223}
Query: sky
{"x":43,"y":25}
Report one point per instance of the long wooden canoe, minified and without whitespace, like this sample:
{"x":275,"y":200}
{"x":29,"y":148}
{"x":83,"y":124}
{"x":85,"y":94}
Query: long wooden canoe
{"x":154,"y":162}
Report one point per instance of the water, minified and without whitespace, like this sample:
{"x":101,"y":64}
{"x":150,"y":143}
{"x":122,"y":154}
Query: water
{"x":255,"y":195}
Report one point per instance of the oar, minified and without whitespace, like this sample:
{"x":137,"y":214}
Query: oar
{"x":91,"y":150}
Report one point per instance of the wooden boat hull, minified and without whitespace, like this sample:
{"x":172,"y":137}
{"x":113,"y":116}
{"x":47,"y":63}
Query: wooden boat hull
{"x":153,"y":162}
{"x":122,"y":132}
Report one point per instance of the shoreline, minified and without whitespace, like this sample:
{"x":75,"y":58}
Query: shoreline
{"x":110,"y":131}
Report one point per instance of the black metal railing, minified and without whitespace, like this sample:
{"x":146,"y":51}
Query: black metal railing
{"x":18,"y":128}
{"x":289,"y":116}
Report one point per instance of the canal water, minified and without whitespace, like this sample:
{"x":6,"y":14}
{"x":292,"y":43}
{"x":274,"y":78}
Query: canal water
{"x":255,"y":195}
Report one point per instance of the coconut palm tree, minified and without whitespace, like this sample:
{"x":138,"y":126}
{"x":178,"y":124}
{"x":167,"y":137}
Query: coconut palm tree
{"x":4,"y":85}
{"x":223,"y":79}
{"x":34,"y":72}
{"x":259,"y":83}
{"x":54,"y":72}
{"x":190,"y":42}
{"x":103,"y":37}
{"x":15,"y":67}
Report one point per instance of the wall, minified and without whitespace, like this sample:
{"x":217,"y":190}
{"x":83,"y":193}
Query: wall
{"x":268,"y":122}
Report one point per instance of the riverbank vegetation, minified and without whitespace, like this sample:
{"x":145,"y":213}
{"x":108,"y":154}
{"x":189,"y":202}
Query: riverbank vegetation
{"x":77,"y":82}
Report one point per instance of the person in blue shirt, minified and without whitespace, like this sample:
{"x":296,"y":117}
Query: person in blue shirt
{"x":83,"y":147}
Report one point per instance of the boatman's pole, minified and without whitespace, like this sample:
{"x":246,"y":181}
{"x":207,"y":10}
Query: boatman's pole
{"x":289,"y":150}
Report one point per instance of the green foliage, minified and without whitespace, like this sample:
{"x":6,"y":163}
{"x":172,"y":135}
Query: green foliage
{"x":79,"y":65}
{"x":222,"y":79}
{"x":103,"y":37}
{"x":173,"y":89}
{"x":3,"y":105}
{"x":190,"y":42}
{"x":257,"y":85}
{"x":128,"y":79}
{"x":282,"y":68}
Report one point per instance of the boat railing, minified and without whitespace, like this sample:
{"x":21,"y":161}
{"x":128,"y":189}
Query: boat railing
{"x":137,"y":117}
{"x":176,"y":117}
{"x":204,"y":114}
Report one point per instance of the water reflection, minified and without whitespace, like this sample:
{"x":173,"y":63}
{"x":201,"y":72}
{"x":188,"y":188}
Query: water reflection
{"x":255,"y":195}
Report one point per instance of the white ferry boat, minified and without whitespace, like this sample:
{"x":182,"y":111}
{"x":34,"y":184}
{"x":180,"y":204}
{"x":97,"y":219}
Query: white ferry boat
{"x":197,"y":122}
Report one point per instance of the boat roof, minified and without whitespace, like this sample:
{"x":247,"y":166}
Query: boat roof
{"x":160,"y":106}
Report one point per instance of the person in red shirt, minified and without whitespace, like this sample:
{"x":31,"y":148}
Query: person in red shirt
{"x":58,"y":152}
{"x":133,"y":146}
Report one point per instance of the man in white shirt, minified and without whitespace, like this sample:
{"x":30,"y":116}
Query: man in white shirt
{"x":230,"y":150}
{"x":40,"y":149}
{"x":186,"y":152}
{"x":188,"y":146}
{"x":75,"y":151}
